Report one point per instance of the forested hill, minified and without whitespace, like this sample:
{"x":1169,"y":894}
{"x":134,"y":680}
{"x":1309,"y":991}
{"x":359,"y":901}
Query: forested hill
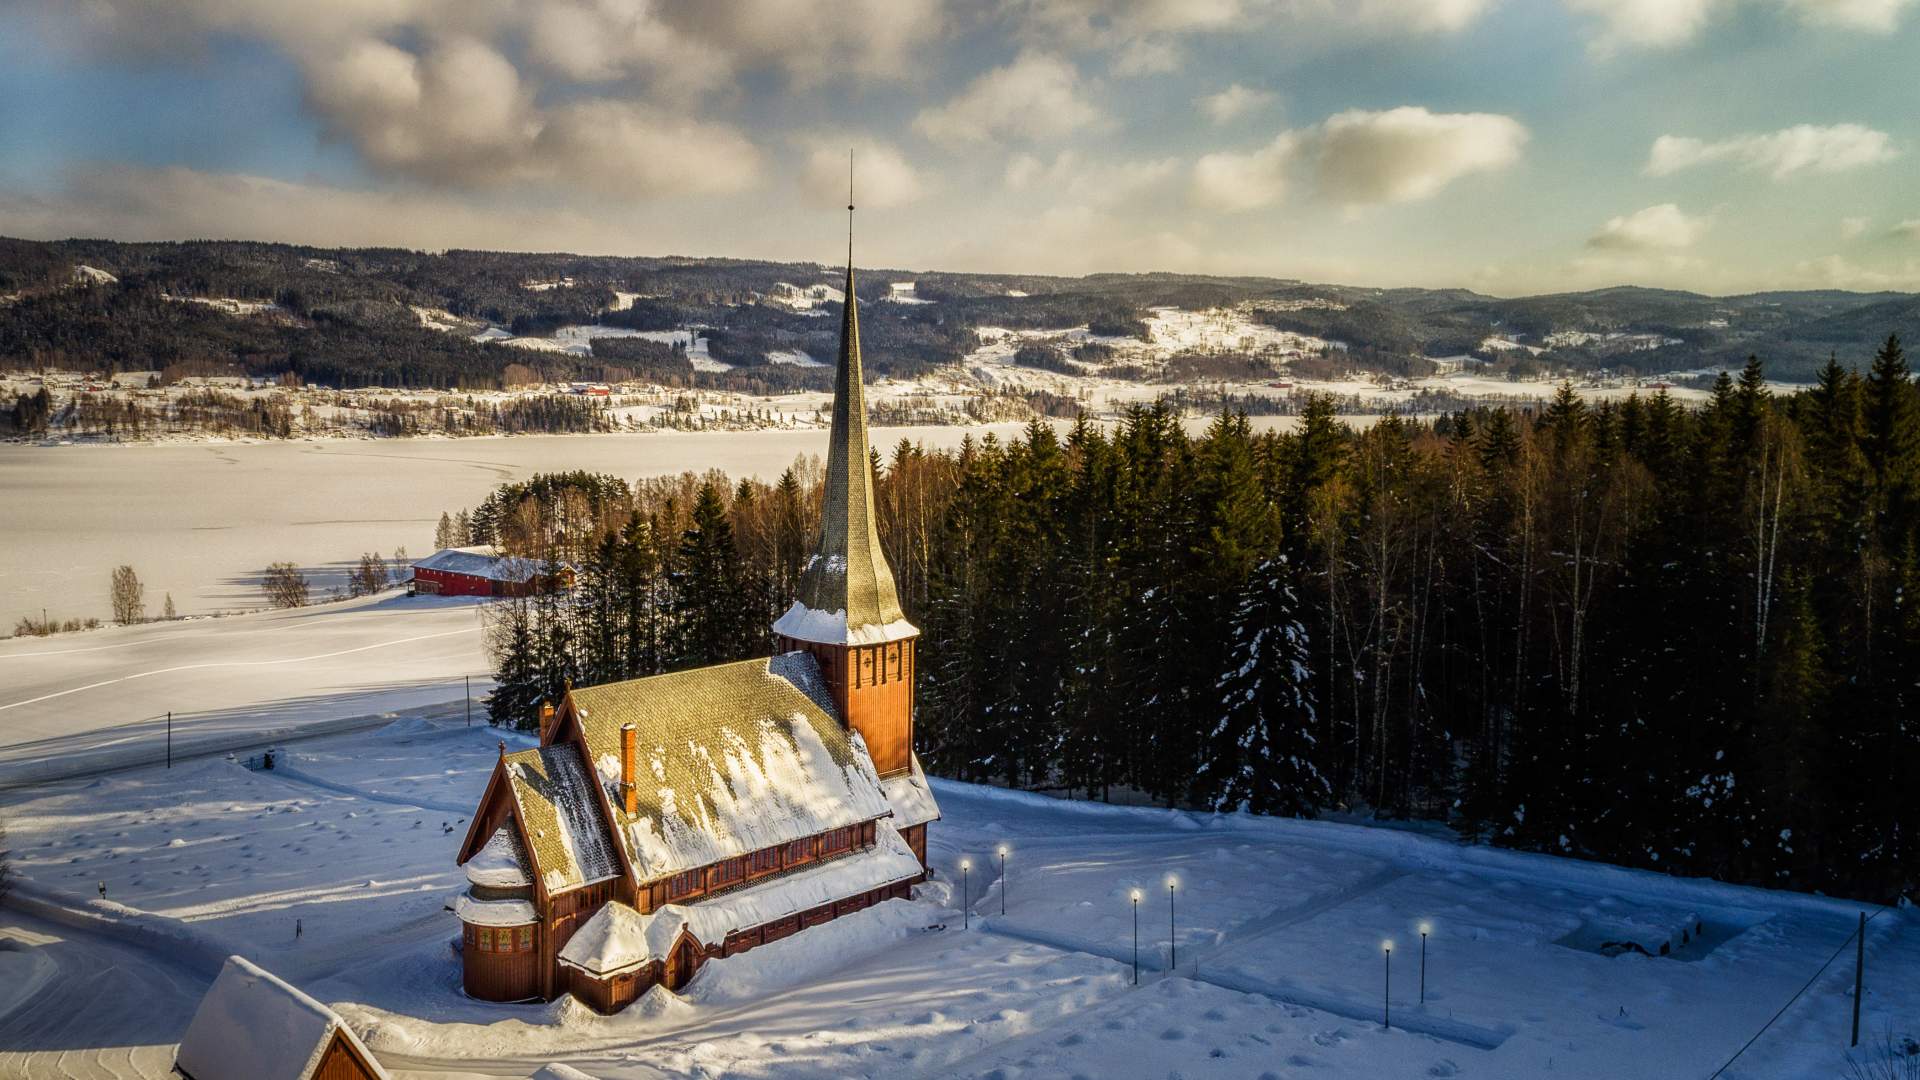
{"x":390,"y":317}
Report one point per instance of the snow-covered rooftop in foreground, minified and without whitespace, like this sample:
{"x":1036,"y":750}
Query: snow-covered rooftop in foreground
{"x":253,"y":1026}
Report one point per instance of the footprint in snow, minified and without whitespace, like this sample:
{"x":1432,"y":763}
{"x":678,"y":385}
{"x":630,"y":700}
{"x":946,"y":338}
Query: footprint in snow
{"x":1173,"y":1034}
{"x":1443,"y":1067}
{"x":1215,"y":1015}
{"x":1074,"y":1039}
{"x":1330,"y":1038}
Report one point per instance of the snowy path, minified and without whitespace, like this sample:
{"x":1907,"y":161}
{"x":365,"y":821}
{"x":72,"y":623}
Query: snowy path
{"x":110,"y":1011}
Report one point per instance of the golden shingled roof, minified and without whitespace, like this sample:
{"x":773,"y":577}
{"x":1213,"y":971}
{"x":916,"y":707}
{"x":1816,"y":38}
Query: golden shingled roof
{"x":567,"y":841}
{"x":730,"y":759}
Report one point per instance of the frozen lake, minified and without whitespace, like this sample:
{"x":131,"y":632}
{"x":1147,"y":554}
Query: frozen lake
{"x":203,"y":520}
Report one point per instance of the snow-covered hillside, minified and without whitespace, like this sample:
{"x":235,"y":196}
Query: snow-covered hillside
{"x":332,"y":870}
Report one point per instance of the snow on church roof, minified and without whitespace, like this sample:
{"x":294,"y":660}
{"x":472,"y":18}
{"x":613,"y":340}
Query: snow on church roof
{"x":254,"y":1026}
{"x":731,"y":759}
{"x":566,"y":838}
{"x":618,"y":938}
{"x":911,"y":797}
{"x":499,"y":864}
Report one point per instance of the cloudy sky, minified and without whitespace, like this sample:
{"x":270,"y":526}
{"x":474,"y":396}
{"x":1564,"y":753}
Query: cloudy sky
{"x":1510,"y":146}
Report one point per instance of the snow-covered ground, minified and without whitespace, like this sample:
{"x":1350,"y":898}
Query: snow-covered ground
{"x":1279,"y":929}
{"x":80,"y":702}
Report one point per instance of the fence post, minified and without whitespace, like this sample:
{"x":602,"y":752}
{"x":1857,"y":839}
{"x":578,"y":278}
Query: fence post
{"x":469,"y":679}
{"x":169,"y":738}
{"x":1859,"y":973}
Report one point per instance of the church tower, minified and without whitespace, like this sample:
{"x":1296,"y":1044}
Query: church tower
{"x":847,"y":611}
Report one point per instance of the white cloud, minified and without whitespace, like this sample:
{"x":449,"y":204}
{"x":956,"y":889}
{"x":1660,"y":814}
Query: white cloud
{"x":1874,"y":16}
{"x":1409,"y":153}
{"x":1664,"y":24}
{"x":883,"y":176}
{"x":460,"y":115}
{"x":1232,"y":103}
{"x":1851,"y":227}
{"x":1662,"y":227}
{"x":812,"y":40}
{"x":1837,"y":272}
{"x":1235,"y":182}
{"x":1037,"y":96}
{"x":1645,"y":23}
{"x":1363,"y":158}
{"x":456,"y":113}
{"x":1071,"y":179}
{"x":603,"y":40}
{"x":1801,"y":148}
{"x":628,"y":150}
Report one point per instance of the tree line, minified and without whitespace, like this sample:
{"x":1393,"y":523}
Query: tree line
{"x":1662,"y":636}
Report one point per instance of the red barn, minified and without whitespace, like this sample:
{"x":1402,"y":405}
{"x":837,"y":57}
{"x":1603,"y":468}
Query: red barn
{"x":483,"y":571}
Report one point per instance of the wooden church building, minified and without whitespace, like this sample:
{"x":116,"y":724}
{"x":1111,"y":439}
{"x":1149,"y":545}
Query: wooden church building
{"x":666,"y":821}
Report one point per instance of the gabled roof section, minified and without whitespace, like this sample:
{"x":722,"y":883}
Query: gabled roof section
{"x":618,"y":939}
{"x":481,"y":562}
{"x":731,"y":759}
{"x":252,"y":1025}
{"x":846,"y":593}
{"x":567,"y":841}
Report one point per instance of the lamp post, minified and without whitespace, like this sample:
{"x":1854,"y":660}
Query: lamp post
{"x":1003,"y":879}
{"x":1136,"y":937}
{"x":1425,"y":929}
{"x":1173,"y":955}
{"x":966,"y":866}
{"x":1386,"y":996}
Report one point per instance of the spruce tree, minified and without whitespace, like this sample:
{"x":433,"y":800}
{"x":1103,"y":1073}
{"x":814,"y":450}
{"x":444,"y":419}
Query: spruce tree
{"x":1262,"y":754}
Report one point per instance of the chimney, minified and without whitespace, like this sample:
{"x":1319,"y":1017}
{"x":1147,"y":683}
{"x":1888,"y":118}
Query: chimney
{"x":629,"y":794}
{"x":546,"y":720}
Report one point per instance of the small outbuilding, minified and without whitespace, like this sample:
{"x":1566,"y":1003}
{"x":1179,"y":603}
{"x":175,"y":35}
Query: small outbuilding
{"x":254,"y":1026}
{"x":484,"y":571}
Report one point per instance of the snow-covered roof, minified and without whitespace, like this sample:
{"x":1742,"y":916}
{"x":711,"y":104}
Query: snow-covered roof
{"x":911,"y":797}
{"x":494,"y":912}
{"x":731,"y":759}
{"x":567,"y":840}
{"x":499,"y":864}
{"x":253,"y":1026}
{"x":803,"y":623}
{"x":618,"y":938}
{"x":481,"y":562}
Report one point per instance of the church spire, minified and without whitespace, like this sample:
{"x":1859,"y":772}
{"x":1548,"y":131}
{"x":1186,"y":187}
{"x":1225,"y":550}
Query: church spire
{"x":846,"y":593}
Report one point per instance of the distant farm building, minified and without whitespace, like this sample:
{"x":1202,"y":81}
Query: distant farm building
{"x":253,"y":1026}
{"x":483,"y":571}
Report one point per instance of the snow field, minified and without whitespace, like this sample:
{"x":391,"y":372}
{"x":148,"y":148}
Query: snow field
{"x":1280,"y":926}
{"x":78,"y":702}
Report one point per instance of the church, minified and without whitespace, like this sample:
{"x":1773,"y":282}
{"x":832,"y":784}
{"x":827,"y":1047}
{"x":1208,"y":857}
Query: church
{"x":667,"y":821}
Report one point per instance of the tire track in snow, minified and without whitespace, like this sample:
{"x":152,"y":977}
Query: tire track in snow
{"x":238,"y":664}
